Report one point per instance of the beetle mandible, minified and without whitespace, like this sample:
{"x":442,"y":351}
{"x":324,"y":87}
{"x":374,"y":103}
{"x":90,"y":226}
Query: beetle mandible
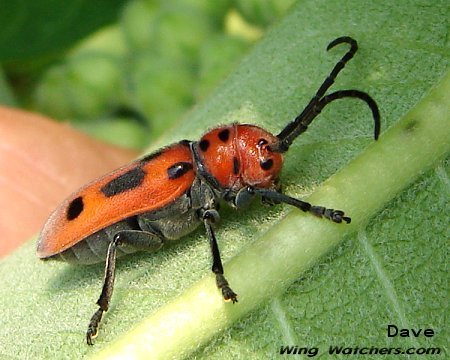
{"x":166,"y":195}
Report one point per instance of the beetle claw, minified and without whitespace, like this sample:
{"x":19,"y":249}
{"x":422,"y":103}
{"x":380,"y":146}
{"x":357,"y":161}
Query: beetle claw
{"x":93,"y":327}
{"x":90,"y":336}
{"x":229,"y":295}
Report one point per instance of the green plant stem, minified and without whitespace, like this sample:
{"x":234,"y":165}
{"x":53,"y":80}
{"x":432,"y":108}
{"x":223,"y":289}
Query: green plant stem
{"x":266,"y":268}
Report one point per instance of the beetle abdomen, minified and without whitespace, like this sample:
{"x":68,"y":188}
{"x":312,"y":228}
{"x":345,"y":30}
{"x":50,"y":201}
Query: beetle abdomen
{"x":93,"y":249}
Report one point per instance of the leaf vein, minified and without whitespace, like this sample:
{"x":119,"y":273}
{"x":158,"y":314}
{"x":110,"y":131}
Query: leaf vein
{"x":385,"y":281}
{"x":285,"y":326}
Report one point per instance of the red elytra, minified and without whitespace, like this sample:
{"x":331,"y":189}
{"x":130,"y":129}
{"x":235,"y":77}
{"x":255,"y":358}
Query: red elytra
{"x":167,"y":194}
{"x":96,"y":210}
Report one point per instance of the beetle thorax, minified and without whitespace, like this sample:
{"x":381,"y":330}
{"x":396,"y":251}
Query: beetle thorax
{"x":239,"y":155}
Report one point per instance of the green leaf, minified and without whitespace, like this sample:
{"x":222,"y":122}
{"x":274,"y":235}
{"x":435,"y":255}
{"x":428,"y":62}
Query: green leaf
{"x":391,"y":266}
{"x":34,"y":28}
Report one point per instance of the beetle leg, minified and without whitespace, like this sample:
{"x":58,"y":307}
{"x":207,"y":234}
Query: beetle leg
{"x":209,"y":217}
{"x":336,"y":216}
{"x":139,"y":239}
{"x":105,"y":296}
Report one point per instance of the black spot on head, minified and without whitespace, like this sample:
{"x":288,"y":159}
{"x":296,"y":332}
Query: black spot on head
{"x":236,"y":165}
{"x":203,"y":145}
{"x":127,"y":181}
{"x":224,"y":135}
{"x":262,"y":142}
{"x":75,"y":208}
{"x":266,"y":164}
{"x":178,"y":169}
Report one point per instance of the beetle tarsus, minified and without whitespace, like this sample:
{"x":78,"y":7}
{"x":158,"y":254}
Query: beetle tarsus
{"x":228,"y":294}
{"x":336,"y":216}
{"x":93,"y":326}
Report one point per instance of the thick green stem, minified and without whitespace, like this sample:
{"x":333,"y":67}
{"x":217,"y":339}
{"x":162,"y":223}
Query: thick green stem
{"x":265,"y":269}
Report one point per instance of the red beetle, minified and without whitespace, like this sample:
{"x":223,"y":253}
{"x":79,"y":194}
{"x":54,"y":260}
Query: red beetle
{"x":167,"y":194}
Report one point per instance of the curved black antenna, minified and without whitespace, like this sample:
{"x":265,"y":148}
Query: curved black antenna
{"x":353,"y":94}
{"x":319,"y":101}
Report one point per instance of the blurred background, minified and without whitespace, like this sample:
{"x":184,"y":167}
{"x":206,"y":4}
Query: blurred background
{"x":123,"y":71}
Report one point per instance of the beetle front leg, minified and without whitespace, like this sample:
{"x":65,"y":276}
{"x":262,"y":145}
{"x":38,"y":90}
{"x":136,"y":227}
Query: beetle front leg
{"x":209,"y":217}
{"x":336,"y":216}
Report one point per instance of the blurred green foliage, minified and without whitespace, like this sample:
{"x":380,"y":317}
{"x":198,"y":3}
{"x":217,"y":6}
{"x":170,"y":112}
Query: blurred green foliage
{"x":157,"y":60}
{"x":39,"y":29}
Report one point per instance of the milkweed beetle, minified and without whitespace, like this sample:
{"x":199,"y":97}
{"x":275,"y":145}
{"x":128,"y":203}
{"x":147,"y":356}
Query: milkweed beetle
{"x":166,"y":195}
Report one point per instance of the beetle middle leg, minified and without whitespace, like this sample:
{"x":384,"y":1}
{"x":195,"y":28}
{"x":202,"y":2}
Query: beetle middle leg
{"x":141,"y":240}
{"x":209,"y":217}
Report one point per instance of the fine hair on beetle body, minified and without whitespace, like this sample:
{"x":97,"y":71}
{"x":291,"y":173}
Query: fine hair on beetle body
{"x":169,"y":193}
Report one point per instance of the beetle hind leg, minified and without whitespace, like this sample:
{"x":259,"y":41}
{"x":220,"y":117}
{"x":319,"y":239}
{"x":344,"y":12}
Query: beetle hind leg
{"x":140,"y":240}
{"x":105,"y":296}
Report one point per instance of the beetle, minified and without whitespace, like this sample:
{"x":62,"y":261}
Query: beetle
{"x":167,"y":194}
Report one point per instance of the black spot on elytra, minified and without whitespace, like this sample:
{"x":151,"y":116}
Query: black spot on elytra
{"x":151,"y":156}
{"x":179,"y":169}
{"x":236,"y":165}
{"x":224,"y":135}
{"x":127,"y":181}
{"x":203,"y":145}
{"x":75,"y":208}
{"x":266,"y":164}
